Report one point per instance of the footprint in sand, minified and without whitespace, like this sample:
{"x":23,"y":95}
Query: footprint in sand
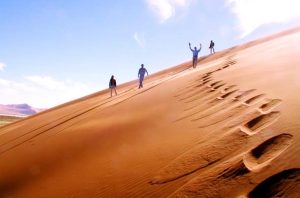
{"x":200,"y":100}
{"x":271,"y":103}
{"x":214,"y":83}
{"x":283,"y":184}
{"x":198,"y":89}
{"x":219,"y":107}
{"x":261,"y":156}
{"x":202,"y":155}
{"x":230,"y":60}
{"x":211,"y":106}
{"x":209,"y":98}
{"x":235,"y":113}
{"x":204,"y":95}
{"x":223,"y":110}
{"x":260,"y":122}
{"x":229,"y":63}
{"x":193,"y":86}
{"x":204,"y":79}
{"x":194,"y":92}
{"x":238,"y":172}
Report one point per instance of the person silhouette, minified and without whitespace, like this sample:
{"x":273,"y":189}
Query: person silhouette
{"x":141,"y":75}
{"x":212,"y":47}
{"x":112,"y":85}
{"x":195,"y":54}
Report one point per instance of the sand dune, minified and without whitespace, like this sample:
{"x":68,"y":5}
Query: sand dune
{"x":229,"y":128}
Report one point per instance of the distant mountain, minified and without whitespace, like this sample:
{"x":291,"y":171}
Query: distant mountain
{"x":18,"y":109}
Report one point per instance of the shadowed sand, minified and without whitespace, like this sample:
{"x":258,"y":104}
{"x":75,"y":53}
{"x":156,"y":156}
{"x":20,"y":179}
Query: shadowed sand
{"x":229,"y":128}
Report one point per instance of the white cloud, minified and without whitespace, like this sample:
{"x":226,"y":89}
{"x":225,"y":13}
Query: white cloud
{"x":46,"y":82}
{"x":255,"y":13}
{"x":41,"y":91}
{"x":165,"y":9}
{"x":139,"y":39}
{"x":2,"y":65}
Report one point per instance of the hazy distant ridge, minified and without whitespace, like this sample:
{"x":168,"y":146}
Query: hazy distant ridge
{"x":18,"y":109}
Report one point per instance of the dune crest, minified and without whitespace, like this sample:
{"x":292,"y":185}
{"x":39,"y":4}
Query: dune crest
{"x":228,"y":128}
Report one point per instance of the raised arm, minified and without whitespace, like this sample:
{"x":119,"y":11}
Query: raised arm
{"x":200,"y":48}
{"x":190,"y":47}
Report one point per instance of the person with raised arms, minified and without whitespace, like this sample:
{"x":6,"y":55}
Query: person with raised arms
{"x":195,"y":54}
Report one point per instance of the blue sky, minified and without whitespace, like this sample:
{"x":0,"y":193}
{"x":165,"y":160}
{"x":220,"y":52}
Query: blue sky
{"x":55,"y":51}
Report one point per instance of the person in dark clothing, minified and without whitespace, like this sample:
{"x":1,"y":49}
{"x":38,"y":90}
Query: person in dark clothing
{"x":195,"y":54}
{"x":141,"y":75}
{"x":112,"y":85}
{"x":211,"y":47}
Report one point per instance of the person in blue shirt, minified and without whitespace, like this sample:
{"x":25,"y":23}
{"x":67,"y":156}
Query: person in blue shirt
{"x":141,"y":75}
{"x":195,"y":54}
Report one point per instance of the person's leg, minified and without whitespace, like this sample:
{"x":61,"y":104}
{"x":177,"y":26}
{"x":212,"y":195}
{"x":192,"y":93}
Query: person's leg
{"x":110,"y":92}
{"x":115,"y":90}
{"x":194,"y":62}
{"x":140,"y":85}
{"x":142,"y":81}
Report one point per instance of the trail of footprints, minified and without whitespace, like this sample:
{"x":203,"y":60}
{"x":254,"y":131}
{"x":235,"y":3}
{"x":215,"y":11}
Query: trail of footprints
{"x":237,"y":172}
{"x":241,"y":114}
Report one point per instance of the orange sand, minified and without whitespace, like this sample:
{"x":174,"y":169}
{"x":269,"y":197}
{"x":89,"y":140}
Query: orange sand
{"x":229,"y":128}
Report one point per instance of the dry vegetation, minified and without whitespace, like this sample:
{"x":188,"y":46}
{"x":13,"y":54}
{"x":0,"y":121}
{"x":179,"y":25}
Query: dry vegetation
{"x":7,"y":119}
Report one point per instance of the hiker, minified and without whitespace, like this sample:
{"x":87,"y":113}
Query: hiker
{"x":211,"y":47}
{"x":195,"y":54}
{"x":141,"y":75}
{"x":112,"y":85}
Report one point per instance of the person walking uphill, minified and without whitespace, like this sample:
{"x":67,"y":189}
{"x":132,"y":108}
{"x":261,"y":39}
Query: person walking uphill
{"x":112,"y":85}
{"x":195,"y":54}
{"x":141,"y":75}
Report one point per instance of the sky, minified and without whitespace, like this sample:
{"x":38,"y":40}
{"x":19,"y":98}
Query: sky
{"x":54,"y":51}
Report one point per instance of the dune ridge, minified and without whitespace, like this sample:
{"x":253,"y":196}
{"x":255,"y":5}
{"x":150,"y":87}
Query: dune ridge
{"x":228,"y":128}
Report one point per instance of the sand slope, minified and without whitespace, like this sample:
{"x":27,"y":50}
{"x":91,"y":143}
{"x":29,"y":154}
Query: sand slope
{"x":229,"y":128}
